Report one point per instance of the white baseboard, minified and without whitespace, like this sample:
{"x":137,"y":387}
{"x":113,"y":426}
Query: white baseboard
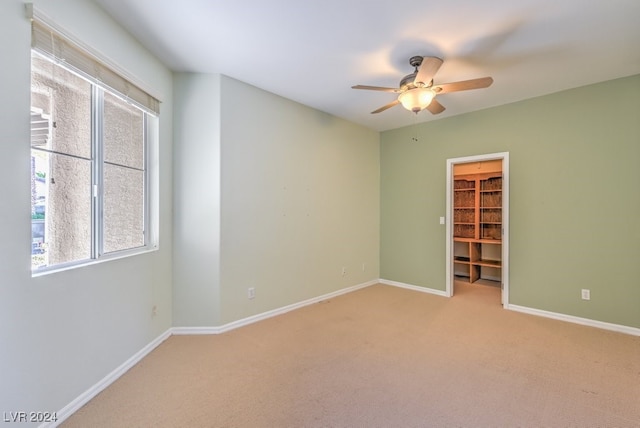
{"x":178,"y":331}
{"x":576,"y":320}
{"x":414,"y":287}
{"x":259,"y":317}
{"x":538,"y":312}
{"x":86,"y":396}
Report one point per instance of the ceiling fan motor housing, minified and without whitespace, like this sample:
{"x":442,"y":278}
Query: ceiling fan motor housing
{"x":408,"y":81}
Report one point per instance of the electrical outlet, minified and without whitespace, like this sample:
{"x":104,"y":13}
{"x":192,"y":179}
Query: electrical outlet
{"x":586,"y":294}
{"x":344,"y":271}
{"x":364,"y":267}
{"x":251,"y":292}
{"x":154,"y":311}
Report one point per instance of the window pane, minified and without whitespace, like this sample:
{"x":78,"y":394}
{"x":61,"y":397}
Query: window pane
{"x":123,"y":133}
{"x":39,"y":191}
{"x":60,"y":209}
{"x":60,"y":109}
{"x":81,"y":136}
{"x":123,"y":213}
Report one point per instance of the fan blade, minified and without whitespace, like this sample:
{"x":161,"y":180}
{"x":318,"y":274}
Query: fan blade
{"x":435,"y":107}
{"x":376,"y":88}
{"x":383,"y":108}
{"x":429,"y":67}
{"x":465,"y":85}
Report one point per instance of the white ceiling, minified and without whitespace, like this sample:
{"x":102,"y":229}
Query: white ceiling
{"x":313,"y":51}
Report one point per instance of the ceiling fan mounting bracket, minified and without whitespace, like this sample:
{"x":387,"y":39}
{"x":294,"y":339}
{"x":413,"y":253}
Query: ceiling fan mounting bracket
{"x":415,"y":61}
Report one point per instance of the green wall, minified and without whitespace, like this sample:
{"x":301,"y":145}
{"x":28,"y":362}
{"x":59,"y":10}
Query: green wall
{"x":574,"y":198}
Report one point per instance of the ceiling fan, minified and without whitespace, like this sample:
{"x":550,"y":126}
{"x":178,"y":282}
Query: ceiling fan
{"x":417,"y":90}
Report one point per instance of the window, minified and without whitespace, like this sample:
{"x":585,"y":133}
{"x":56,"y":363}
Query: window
{"x":92,"y":137}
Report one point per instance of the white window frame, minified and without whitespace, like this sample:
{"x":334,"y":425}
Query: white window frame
{"x":140,"y":99}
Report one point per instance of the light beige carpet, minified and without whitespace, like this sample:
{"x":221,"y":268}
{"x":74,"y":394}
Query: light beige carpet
{"x":384,"y":357}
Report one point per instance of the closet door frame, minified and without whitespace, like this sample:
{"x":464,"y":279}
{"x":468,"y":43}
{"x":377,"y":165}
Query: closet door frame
{"x":504,"y":156}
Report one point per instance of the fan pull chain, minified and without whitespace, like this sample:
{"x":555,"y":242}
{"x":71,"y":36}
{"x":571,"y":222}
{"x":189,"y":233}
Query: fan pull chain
{"x":415,"y":138}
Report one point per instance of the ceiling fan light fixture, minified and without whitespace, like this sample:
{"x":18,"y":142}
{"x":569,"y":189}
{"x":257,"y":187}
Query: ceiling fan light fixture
{"x":416,"y":99}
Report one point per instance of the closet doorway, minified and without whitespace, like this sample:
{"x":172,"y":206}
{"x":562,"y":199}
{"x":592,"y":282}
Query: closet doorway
{"x":477,"y":222}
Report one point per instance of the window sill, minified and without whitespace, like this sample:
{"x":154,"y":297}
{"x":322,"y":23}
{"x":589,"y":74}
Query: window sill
{"x":84,"y":263}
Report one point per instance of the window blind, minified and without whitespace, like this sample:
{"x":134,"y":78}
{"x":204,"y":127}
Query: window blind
{"x":49,"y":43}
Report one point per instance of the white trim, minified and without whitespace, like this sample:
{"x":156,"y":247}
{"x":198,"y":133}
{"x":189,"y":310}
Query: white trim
{"x":269,"y":314}
{"x":504,"y":156}
{"x":86,"y":396}
{"x":180,"y":331}
{"x":576,"y":320}
{"x":414,"y":287}
{"x":101,"y":385}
